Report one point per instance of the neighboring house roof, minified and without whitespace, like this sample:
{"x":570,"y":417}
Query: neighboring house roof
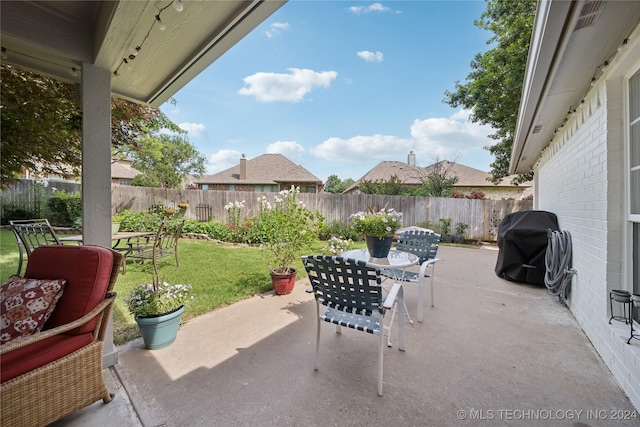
{"x":572,"y":44}
{"x":123,"y":169}
{"x":411,"y":174}
{"x":266,"y":169}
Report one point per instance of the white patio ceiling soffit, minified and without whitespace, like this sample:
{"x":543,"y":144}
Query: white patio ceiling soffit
{"x":55,"y":37}
{"x":571,"y":40}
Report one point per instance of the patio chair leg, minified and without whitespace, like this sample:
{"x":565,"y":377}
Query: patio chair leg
{"x":380,"y":359}
{"x":315,"y":363}
{"x":433,"y":271}
{"x":401,"y":336}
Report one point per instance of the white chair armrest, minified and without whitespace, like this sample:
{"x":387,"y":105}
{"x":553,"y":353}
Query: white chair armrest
{"x":393,"y":294}
{"x":423,"y":267}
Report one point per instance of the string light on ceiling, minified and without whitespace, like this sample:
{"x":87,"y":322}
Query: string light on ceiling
{"x":126,"y":61}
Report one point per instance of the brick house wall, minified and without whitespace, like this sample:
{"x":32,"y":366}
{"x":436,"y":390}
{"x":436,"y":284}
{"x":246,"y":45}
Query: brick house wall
{"x":587,"y":157}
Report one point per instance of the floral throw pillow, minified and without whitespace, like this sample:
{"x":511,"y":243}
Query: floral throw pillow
{"x":26,"y":304}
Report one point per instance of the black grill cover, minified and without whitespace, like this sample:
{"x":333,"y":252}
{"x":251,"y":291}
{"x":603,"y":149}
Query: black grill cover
{"x":522,"y":240}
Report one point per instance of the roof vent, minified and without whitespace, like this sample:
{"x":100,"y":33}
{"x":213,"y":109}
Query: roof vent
{"x":537,"y":129}
{"x":589,"y":14}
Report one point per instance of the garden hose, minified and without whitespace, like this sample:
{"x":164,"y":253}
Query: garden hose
{"x":558,"y":274}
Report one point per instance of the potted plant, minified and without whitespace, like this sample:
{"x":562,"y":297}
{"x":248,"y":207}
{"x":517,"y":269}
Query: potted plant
{"x":378,"y":228}
{"x":445,"y":230}
{"x":183,"y":205}
{"x":157,"y":308}
{"x":461,"y":228}
{"x":287,"y":227}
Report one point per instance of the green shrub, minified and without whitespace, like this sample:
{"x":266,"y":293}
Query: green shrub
{"x":64,"y":208}
{"x":12,"y":212}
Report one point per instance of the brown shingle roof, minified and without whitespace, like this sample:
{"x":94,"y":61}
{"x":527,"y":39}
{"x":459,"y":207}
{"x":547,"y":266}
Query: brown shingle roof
{"x":410,"y":175}
{"x":264,"y":169}
{"x":123,"y":169}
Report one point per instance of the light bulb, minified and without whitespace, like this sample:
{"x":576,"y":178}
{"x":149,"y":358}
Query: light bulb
{"x":178,"y":6}
{"x":73,"y":72}
{"x":161,"y":25}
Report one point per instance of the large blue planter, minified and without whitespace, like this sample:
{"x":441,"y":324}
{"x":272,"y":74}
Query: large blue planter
{"x":160,"y":331}
{"x":378,"y":248}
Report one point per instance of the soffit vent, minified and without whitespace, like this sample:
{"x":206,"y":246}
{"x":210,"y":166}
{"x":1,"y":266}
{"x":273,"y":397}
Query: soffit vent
{"x":537,"y":129}
{"x":589,"y":14}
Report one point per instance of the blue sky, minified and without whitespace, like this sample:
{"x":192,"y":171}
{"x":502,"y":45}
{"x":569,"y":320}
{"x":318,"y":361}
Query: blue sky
{"x":339,"y":86}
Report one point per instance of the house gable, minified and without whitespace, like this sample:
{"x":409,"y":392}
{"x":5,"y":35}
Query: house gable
{"x":267,"y":172}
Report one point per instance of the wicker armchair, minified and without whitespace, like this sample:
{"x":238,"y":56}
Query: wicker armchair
{"x":58,"y":370}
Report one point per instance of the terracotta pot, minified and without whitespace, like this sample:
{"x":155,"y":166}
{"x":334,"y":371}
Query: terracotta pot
{"x":283,"y":282}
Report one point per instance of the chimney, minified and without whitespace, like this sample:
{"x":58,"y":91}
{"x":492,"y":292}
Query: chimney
{"x":243,"y":167}
{"x":411,"y":160}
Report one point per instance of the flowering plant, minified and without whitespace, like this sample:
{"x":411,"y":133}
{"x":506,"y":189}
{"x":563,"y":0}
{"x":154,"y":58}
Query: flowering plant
{"x":156,"y":298}
{"x":382,"y":223}
{"x":336,"y":245}
{"x":288,"y":226}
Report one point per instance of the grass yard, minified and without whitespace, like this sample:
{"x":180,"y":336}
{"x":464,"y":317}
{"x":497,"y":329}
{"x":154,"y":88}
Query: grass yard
{"x":220,"y":274}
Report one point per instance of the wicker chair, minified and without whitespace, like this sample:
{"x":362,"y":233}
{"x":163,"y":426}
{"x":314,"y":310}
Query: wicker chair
{"x":352,"y":293}
{"x":57,"y":371}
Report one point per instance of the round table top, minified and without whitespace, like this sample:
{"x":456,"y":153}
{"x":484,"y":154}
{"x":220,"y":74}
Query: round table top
{"x":396,"y":259}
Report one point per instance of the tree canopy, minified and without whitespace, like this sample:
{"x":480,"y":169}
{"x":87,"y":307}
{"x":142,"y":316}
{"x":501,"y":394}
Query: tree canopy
{"x":336,"y":185}
{"x":493,"y":88}
{"x":42,"y":125}
{"x":166,"y":160}
{"x":392,"y":186}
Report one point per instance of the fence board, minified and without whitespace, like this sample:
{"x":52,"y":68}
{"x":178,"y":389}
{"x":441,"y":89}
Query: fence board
{"x":482,"y":216}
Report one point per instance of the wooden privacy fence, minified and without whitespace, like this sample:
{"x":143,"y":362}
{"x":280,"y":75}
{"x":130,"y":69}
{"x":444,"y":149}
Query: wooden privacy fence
{"x":482,"y":216}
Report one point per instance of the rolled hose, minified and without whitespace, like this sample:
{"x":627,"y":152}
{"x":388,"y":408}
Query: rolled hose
{"x":558,"y":274}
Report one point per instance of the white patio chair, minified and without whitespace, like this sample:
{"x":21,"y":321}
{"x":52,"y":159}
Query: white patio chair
{"x":424,"y":244}
{"x":352,"y":293}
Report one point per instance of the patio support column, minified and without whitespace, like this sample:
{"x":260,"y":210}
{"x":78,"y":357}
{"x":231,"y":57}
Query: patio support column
{"x":96,"y":170}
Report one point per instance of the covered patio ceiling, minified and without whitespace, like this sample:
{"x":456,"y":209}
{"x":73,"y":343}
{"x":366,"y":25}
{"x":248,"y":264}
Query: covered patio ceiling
{"x":147,"y":64}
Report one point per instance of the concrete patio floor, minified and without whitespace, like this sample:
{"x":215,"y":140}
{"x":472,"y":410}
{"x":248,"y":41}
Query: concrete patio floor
{"x":490,"y":352}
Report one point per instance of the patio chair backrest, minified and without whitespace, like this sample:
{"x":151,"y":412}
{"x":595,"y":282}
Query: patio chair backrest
{"x":424,"y":244}
{"x":30,"y":234}
{"x":345,"y":284}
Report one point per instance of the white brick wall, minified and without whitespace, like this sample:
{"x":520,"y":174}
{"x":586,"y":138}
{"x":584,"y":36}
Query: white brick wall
{"x":580,"y":178}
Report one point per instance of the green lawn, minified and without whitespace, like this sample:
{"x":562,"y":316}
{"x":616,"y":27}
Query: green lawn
{"x":220,"y":274}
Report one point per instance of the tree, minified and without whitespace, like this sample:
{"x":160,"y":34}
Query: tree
{"x":438,"y":182}
{"x":494,"y":86}
{"x":166,"y":160}
{"x":336,"y":185}
{"x":42,"y":125}
{"x":392,"y":186}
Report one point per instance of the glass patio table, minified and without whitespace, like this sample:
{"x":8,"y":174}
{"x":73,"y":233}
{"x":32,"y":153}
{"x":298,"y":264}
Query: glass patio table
{"x":395,"y":263}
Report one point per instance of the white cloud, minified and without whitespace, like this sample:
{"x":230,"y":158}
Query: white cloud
{"x":370,"y":56}
{"x":291,"y":149}
{"x":275,"y":28}
{"x":445,"y":137}
{"x":292,"y":87}
{"x":223,"y":159}
{"x":374,"y":7}
{"x":359,"y":148}
{"x":195,"y":130}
